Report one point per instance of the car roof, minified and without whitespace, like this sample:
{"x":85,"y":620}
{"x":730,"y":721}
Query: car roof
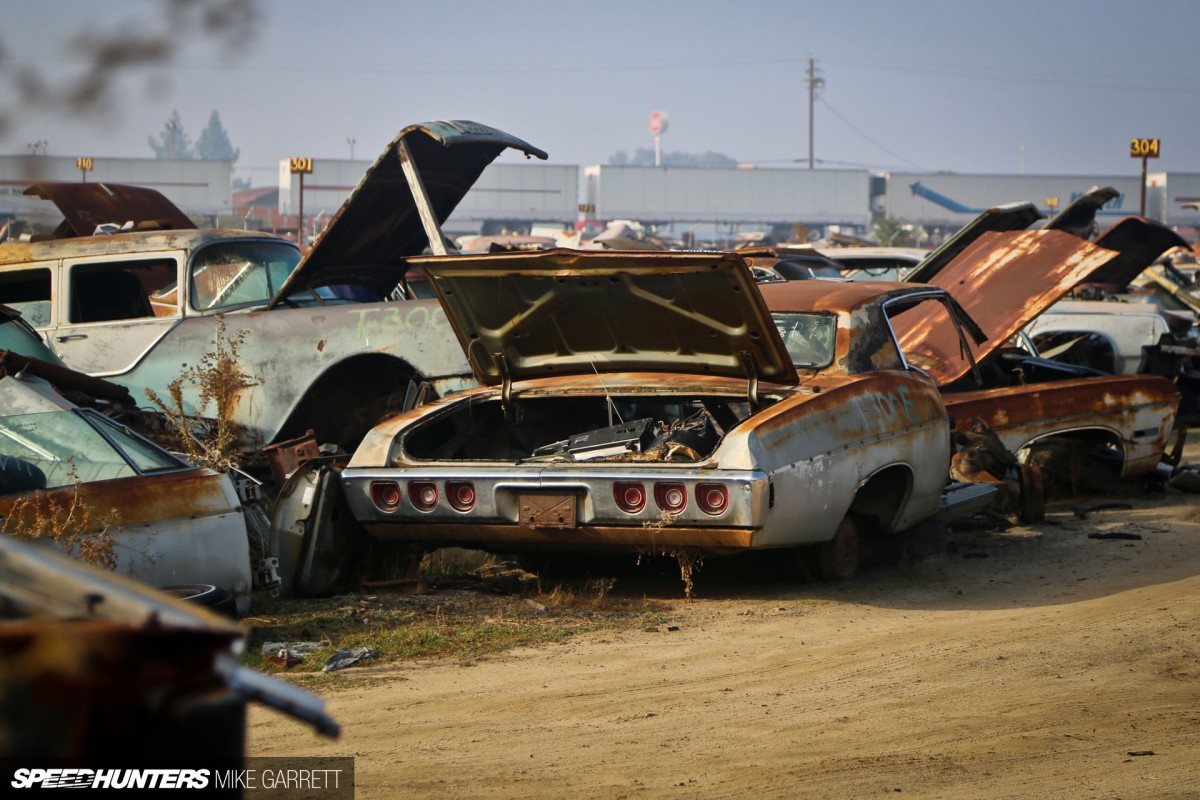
{"x":834,"y":296}
{"x":122,"y":243}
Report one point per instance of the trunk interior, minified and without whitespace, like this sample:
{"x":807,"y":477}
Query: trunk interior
{"x":581,"y":428}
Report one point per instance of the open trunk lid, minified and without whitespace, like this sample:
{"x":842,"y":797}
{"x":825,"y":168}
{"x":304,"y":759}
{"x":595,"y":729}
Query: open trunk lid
{"x":560,"y":312}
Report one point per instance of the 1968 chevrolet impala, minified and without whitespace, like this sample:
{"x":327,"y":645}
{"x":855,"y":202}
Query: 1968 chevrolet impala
{"x":649,"y":402}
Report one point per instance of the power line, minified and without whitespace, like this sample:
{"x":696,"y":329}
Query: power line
{"x":855,"y":128}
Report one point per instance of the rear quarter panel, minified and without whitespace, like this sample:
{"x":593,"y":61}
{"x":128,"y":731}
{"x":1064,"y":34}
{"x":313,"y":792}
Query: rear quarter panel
{"x":819,"y":449}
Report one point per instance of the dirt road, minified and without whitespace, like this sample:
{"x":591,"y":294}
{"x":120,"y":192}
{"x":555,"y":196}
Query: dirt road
{"x":1038,"y":663}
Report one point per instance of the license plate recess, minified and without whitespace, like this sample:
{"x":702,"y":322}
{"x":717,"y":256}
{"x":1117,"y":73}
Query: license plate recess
{"x":549,"y":510}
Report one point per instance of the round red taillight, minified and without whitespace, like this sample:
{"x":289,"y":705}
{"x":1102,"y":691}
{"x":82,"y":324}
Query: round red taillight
{"x":461,"y":495}
{"x":423,"y":495}
{"x":630,"y":496}
{"x":386,"y":495}
{"x":713,"y":498}
{"x":670,"y":497}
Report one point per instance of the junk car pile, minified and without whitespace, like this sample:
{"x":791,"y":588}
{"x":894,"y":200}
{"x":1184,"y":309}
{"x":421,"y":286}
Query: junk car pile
{"x":633,"y":401}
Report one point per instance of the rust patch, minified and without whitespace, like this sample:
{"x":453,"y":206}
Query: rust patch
{"x":1003,"y":281}
{"x":142,"y":499}
{"x":586,"y":537}
{"x":1017,"y":404}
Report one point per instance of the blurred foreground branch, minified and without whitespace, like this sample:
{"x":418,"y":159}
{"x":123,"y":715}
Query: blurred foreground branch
{"x":121,"y":49}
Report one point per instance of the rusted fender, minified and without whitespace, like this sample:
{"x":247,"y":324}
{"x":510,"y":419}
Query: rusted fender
{"x":1138,"y":409}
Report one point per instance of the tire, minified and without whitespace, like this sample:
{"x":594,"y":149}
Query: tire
{"x":1033,"y":494}
{"x":211,"y":597}
{"x":837,"y":559}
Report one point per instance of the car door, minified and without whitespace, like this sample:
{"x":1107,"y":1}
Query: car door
{"x":29,"y":289}
{"x":115,"y":309}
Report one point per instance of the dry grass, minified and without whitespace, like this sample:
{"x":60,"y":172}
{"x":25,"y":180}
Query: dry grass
{"x":450,"y":624}
{"x":77,"y":527}
{"x":689,"y":561}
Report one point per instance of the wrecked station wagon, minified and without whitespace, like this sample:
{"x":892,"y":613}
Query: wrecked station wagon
{"x":128,"y":288}
{"x":650,"y":403}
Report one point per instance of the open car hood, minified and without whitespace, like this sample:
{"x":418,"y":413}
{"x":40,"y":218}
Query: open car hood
{"x":1077,"y":218}
{"x":1010,"y":217}
{"x":86,"y":205}
{"x":561,"y":312}
{"x":1138,"y":243}
{"x":379,"y":225}
{"x":1003,"y":281}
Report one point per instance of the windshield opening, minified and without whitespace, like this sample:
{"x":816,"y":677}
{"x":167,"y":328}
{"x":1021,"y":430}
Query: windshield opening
{"x":240,"y":273}
{"x":52,"y":449}
{"x":809,"y":337}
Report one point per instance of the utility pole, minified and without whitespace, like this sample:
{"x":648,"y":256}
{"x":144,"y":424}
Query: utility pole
{"x":815,"y":82}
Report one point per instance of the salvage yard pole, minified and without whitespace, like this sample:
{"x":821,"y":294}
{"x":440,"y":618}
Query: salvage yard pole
{"x":301,"y":166}
{"x":814,"y":82}
{"x":1143,"y":149}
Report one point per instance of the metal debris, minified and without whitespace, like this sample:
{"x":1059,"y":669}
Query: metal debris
{"x":345,"y":657}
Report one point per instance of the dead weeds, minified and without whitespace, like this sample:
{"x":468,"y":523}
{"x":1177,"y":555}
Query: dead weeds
{"x":449,"y":624}
{"x":220,"y":376}
{"x":64,"y":516}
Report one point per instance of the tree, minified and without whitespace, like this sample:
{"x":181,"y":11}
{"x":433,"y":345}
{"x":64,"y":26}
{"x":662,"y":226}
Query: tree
{"x":173,"y":142}
{"x":890,"y":232}
{"x":214,"y":144}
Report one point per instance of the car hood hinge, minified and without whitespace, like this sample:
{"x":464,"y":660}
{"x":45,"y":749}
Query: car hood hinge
{"x":506,"y":378}
{"x":751,"y":370}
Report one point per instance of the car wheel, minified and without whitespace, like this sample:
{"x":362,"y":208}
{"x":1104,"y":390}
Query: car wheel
{"x":837,"y":558}
{"x":205,"y":594}
{"x":1033,"y":494}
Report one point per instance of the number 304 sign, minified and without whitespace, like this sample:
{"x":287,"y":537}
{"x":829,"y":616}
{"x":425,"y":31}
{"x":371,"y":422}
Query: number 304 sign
{"x":1143,"y":148}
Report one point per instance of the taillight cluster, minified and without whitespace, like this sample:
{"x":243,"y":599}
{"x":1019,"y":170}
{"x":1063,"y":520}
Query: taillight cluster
{"x":423,"y":495}
{"x":630,"y":497}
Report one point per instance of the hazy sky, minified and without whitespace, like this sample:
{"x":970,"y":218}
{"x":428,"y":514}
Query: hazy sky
{"x":924,"y":84}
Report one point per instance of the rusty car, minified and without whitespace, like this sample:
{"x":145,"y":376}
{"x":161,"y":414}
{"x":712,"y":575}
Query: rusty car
{"x":650,"y":403}
{"x":332,"y":339}
{"x":1005,"y":280}
{"x":1095,"y":322}
{"x":74,"y":475}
